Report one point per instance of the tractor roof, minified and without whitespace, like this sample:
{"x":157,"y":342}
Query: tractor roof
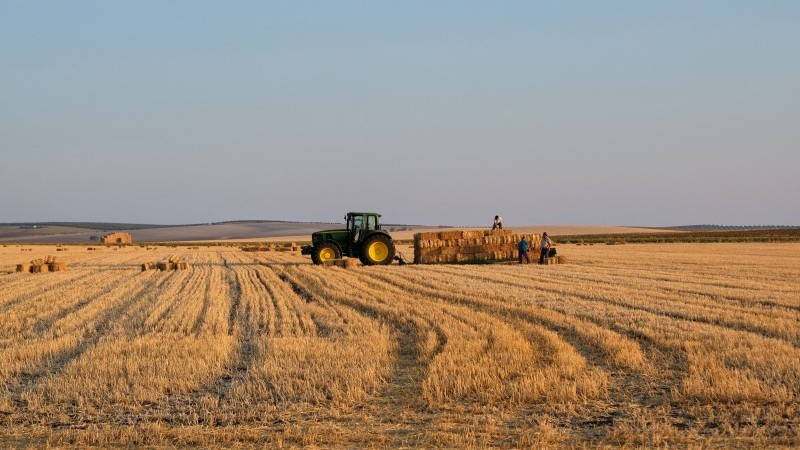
{"x":354,"y":213}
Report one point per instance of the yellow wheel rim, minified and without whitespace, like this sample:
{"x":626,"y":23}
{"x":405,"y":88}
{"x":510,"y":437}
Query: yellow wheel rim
{"x":326,"y":254}
{"x":378,"y":251}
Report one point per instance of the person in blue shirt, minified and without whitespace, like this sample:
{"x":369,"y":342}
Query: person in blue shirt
{"x":523,"y":251}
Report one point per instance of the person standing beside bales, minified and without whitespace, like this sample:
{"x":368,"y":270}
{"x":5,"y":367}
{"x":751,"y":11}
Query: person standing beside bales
{"x":498,"y":222}
{"x":523,"y":251}
{"x":546,"y":242}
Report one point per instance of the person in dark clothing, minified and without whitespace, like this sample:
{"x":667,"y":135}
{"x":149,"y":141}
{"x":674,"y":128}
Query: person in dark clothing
{"x":523,"y":251}
{"x":546,"y":243}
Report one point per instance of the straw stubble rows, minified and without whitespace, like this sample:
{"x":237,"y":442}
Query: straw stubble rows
{"x":628,"y":344}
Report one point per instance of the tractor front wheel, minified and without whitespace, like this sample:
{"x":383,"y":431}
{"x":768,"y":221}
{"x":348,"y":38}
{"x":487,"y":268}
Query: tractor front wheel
{"x":325,"y":251}
{"x":377,"y":250}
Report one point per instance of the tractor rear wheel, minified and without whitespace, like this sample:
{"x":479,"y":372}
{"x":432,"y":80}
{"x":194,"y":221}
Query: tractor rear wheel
{"x":377,"y":249}
{"x":325,"y":251}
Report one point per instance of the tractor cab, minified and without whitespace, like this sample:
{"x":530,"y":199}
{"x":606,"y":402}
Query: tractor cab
{"x":361,"y":223}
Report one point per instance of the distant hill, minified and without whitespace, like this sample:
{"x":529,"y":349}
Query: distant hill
{"x":70,"y":232}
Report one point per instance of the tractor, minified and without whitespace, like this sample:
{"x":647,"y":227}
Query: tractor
{"x":362,"y":239}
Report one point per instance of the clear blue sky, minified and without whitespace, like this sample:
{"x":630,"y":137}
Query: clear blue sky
{"x":436,"y":112}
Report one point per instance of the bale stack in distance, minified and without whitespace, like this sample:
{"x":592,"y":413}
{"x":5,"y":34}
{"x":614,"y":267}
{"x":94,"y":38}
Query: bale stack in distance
{"x":471,"y":246}
{"x":116,"y":238}
{"x":42,"y":265}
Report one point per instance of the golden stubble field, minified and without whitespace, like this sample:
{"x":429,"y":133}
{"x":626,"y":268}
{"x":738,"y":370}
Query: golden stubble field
{"x":680,"y":345}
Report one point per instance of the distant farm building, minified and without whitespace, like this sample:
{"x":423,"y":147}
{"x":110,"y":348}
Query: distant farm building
{"x":117,"y":238}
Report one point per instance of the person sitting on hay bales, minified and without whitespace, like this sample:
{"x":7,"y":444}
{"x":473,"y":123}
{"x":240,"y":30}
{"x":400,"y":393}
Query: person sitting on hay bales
{"x":523,"y":251}
{"x":546,"y":243}
{"x":498,"y":223}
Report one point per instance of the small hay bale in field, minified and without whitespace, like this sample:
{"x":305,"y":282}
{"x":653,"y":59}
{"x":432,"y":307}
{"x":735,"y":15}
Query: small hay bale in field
{"x":57,"y":266}
{"x":183,"y":265}
{"x":41,"y":268}
{"x":346,"y":263}
{"x":24,"y":268}
{"x":562,"y":259}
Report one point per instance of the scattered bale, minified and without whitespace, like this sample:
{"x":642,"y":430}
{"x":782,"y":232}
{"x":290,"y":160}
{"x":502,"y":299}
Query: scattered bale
{"x":24,"y":268}
{"x":40,"y":268}
{"x":57,"y":266}
{"x":346,"y":263}
{"x":172,"y":264}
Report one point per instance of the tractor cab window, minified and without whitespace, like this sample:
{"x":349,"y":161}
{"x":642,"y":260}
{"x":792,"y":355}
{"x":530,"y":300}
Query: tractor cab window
{"x":372,"y":223}
{"x":358,"y":223}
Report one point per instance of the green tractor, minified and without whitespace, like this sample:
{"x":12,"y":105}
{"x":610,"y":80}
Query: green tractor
{"x":363,"y":238}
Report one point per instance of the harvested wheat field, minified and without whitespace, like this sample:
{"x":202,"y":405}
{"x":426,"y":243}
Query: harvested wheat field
{"x":679,"y":345}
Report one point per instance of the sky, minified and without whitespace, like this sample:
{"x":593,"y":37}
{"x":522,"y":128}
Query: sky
{"x":430,"y":112}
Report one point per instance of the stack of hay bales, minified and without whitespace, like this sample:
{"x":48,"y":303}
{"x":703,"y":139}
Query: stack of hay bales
{"x":470,"y":246}
{"x":48,"y":264}
{"x":173,"y":263}
{"x":116,"y":238}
